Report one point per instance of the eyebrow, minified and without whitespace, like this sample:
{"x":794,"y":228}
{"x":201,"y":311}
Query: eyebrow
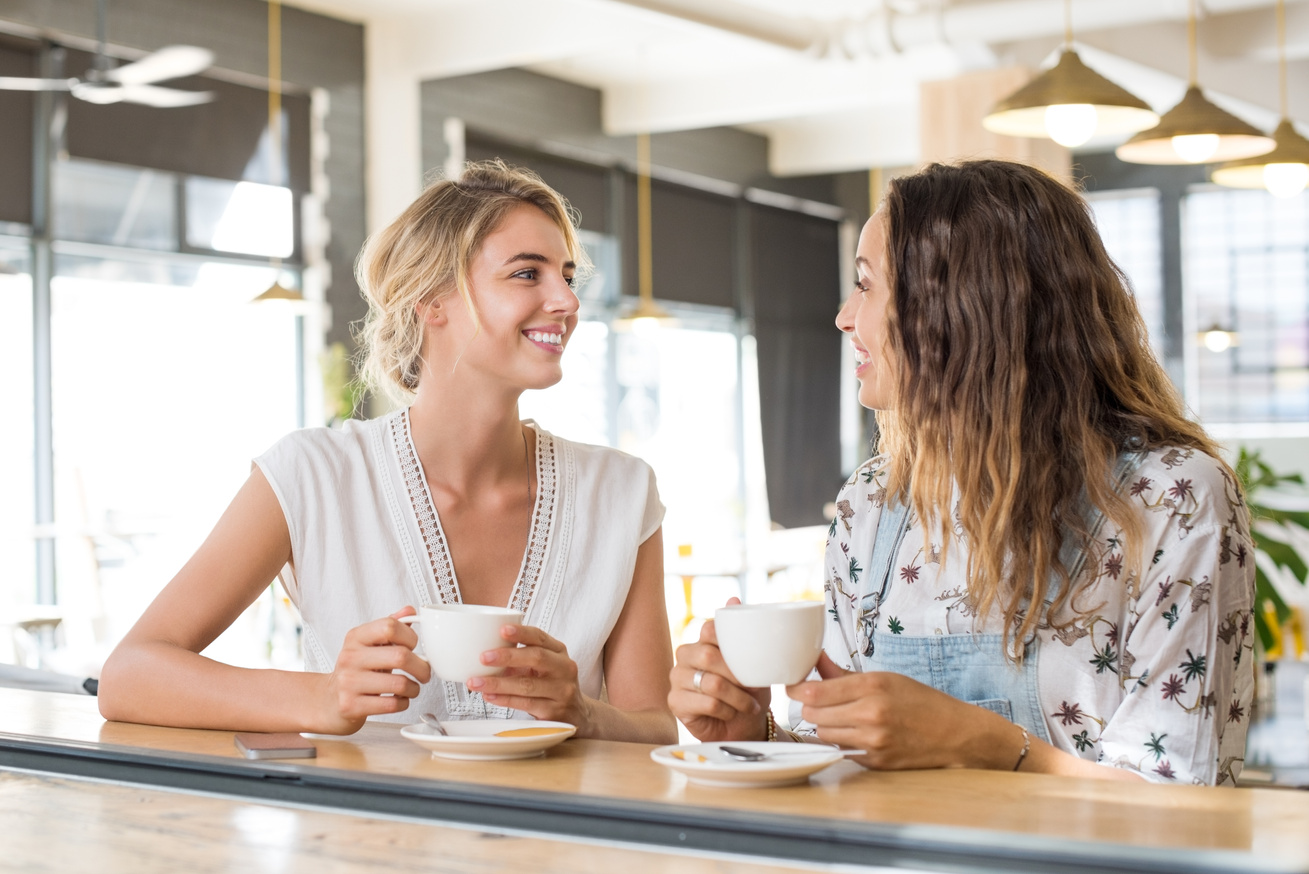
{"x":532,"y":256}
{"x":860,"y":259}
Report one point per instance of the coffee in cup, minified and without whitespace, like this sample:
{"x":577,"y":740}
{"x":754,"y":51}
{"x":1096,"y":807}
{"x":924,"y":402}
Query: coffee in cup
{"x":766,"y":644}
{"x":454,"y":636}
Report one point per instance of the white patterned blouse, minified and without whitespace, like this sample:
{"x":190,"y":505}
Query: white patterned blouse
{"x":1154,"y":674}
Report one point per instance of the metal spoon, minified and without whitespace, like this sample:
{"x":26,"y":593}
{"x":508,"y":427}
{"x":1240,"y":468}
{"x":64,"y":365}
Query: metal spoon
{"x":743,"y":755}
{"x":435,"y":724}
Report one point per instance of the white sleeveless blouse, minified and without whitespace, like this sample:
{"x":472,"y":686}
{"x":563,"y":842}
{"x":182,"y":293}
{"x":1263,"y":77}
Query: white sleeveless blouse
{"x":366,"y":540}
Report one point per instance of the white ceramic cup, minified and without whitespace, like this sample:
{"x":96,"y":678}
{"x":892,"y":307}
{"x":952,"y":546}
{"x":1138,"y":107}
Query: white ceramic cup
{"x":765,"y":644}
{"x":454,"y":636}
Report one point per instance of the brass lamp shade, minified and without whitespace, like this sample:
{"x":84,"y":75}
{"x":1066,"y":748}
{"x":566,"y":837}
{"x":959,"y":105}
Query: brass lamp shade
{"x":1195,"y":116}
{"x":278,"y":291}
{"x":1291,"y":148}
{"x":1022,"y":114}
{"x":646,"y":312}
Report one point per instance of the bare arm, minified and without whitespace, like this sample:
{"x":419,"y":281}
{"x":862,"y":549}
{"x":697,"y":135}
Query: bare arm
{"x":638,"y":655}
{"x":156,"y":674}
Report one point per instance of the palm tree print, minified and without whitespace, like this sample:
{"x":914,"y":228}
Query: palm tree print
{"x":1156,"y":745}
{"x":1069,"y":714}
{"x":1193,"y":666}
{"x":1165,"y":770}
{"x":1113,"y":566}
{"x":1181,"y":489}
{"x":1171,"y":615}
{"x":855,"y":571}
{"x":894,"y":625}
{"x":1236,"y":712}
{"x":1083,"y":740}
{"x":1139,"y":486}
{"x":1105,"y":659}
{"x":910,"y":574}
{"x":1173,"y":687}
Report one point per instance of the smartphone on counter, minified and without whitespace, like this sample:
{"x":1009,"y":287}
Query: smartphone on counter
{"x":281,"y":745}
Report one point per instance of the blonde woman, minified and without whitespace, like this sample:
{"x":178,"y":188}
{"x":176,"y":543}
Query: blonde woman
{"x":1048,"y":568}
{"x":451,"y":498}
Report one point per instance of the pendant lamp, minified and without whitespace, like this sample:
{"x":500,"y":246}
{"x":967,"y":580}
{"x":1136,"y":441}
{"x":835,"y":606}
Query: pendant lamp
{"x":1195,"y":131}
{"x":646,"y":315}
{"x":1285,"y":170}
{"x":276,"y":291}
{"x":1069,"y":103}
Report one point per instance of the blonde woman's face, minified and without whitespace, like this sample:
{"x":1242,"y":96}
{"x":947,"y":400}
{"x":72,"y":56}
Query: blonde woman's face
{"x":864,"y":317}
{"x":521,"y":283}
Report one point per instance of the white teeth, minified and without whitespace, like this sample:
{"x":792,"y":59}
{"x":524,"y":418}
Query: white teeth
{"x":540,"y":337}
{"x":861,"y":357}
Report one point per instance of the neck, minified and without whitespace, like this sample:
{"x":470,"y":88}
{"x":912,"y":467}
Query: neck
{"x":467,"y":439}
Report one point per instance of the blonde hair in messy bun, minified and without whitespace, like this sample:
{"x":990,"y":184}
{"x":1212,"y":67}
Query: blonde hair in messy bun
{"x":425,"y":255}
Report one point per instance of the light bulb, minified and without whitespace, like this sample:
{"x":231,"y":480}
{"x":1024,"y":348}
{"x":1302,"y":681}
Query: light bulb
{"x":1070,"y":124}
{"x":1285,"y":180}
{"x":1195,"y":148}
{"x":1217,"y":341}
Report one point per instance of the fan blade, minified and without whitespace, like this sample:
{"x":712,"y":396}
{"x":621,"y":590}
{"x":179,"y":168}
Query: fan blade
{"x":19,"y":83}
{"x":170,"y":62}
{"x":97,"y":92}
{"x":164,"y":98}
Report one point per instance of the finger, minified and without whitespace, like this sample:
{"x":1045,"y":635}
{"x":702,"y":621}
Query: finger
{"x":862,"y":713}
{"x":691,"y":705}
{"x":828,"y":669}
{"x":733,"y":601}
{"x":407,"y":610}
{"x":531,"y":660}
{"x":837,"y":691}
{"x":708,"y":634}
{"x":523,"y":687}
{"x":717,"y":686}
{"x":386,"y":659}
{"x":381,"y":632}
{"x":373,"y":683}
{"x":529,"y":635}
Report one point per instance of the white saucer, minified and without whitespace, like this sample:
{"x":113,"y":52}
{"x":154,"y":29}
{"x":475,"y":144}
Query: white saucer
{"x":478,"y":740}
{"x":708,"y":765}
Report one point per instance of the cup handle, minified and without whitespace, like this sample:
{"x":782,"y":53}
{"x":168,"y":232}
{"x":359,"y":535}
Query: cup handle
{"x":412,"y":621}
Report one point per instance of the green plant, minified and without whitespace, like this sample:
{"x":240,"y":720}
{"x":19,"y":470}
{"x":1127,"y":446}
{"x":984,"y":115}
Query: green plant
{"x":1267,"y":522}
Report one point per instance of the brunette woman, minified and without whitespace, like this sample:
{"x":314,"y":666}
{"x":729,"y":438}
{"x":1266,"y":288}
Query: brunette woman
{"x":1047,"y":567}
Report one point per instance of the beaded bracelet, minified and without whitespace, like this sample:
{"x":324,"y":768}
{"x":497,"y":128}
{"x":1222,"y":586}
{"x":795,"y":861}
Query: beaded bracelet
{"x":1027,"y":746}
{"x":772,"y":725}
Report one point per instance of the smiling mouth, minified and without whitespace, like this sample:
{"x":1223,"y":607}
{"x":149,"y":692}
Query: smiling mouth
{"x":546,"y":338}
{"x":861,"y":356}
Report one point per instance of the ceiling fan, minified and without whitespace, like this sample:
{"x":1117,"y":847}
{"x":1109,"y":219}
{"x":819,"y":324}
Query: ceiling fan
{"x":130,"y":83}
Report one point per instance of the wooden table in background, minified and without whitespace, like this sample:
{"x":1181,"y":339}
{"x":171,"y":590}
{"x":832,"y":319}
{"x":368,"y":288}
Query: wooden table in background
{"x":605,"y":790}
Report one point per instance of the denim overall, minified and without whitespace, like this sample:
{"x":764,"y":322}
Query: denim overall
{"x":970,"y":667}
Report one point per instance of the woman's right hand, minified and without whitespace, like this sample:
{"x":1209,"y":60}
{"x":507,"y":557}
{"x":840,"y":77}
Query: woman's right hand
{"x":364,"y":682}
{"x":722,"y":709}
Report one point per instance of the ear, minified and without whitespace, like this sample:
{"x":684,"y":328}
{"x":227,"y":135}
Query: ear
{"x":431,"y":312}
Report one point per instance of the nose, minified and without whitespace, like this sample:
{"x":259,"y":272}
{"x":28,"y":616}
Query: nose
{"x":562,"y":300}
{"x":845,"y":318}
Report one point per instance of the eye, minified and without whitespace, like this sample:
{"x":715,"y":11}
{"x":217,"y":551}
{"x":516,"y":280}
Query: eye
{"x":859,"y":286}
{"x":526,"y":273}
{"x":571,"y":280}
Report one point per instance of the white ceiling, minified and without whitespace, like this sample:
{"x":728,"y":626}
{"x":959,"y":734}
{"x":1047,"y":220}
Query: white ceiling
{"x":832,"y":83}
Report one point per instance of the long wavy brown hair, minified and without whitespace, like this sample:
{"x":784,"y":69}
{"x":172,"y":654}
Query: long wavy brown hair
{"x":1024,"y":369}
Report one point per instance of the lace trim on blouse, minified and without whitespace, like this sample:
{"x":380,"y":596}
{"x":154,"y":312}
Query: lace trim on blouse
{"x":459,"y":700}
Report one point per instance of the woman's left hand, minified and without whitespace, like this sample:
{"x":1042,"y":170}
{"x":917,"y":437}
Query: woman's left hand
{"x":539,"y":678}
{"x":902,"y":723}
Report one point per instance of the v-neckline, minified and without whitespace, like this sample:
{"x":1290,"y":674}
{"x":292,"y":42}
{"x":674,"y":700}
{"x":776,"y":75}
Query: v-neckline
{"x":440,"y":563}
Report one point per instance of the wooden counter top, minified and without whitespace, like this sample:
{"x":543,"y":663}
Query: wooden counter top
{"x":1035,"y":817}
{"x":67,"y":824}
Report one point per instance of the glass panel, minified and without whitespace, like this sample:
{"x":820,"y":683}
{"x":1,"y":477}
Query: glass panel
{"x":167,"y":381}
{"x":1247,"y":270}
{"x":244,"y":217}
{"x":17,"y":500}
{"x":1128,"y":222}
{"x":120,"y":206}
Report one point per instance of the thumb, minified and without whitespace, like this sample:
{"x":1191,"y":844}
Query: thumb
{"x":828,"y":669}
{"x":404,"y":611}
{"x":733,"y":601}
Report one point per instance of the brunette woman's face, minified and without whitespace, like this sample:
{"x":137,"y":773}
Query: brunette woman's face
{"x":864,"y":317}
{"x":521,"y":283}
